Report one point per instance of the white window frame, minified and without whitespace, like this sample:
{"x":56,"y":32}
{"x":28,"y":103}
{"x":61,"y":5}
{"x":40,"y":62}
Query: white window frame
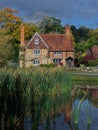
{"x":36,"y":62}
{"x":57,"y":52}
{"x":56,"y":61}
{"x":36,"y":41}
{"x":36,"y":52}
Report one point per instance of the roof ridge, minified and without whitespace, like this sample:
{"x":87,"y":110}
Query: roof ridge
{"x":52,"y":34}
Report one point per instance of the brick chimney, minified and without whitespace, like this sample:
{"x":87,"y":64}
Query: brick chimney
{"x":67,"y":30}
{"x":22,"y":43}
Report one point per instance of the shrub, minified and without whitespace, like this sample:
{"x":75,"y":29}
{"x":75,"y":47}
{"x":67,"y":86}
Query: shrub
{"x":51,"y":65}
{"x":93,"y":62}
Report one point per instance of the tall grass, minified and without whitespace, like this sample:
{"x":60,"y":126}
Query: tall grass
{"x":36,"y":92}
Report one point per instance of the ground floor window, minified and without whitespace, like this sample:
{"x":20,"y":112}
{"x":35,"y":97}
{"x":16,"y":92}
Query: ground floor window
{"x":57,"y":61}
{"x":36,"y":62}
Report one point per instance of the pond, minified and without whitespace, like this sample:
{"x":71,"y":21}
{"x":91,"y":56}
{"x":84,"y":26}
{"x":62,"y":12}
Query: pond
{"x":83,"y":115}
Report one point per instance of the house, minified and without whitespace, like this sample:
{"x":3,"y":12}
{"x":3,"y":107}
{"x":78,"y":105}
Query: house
{"x":46,"y":48}
{"x":91,"y":54}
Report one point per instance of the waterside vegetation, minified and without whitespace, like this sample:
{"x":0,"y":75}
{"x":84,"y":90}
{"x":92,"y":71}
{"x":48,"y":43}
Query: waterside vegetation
{"x":37,"y":93}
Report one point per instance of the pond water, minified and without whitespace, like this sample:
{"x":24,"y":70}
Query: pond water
{"x":86,"y":114}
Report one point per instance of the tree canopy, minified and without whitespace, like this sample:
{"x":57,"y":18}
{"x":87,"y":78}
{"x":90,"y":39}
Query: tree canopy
{"x":9,"y":18}
{"x":6,"y":50}
{"x":50,"y":25}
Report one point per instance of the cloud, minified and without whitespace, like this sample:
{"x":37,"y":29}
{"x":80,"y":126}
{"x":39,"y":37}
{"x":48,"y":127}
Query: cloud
{"x":67,"y":10}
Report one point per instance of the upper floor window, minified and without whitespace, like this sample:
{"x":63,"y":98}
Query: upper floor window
{"x":36,"y":52}
{"x":57,"y":52}
{"x":36,"y":41}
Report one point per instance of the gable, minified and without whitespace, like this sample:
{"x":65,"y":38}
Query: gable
{"x":36,"y":42}
{"x":53,"y":42}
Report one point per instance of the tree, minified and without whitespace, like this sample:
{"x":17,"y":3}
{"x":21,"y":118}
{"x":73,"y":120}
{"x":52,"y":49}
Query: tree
{"x":29,"y":29}
{"x":83,"y":33}
{"x":9,"y":18}
{"x":6,"y":49}
{"x":50,"y":25}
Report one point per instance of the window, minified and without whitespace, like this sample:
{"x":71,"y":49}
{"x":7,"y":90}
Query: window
{"x":36,"y":62}
{"x":36,"y":41}
{"x":36,"y":52}
{"x":57,"y":52}
{"x":57,"y":61}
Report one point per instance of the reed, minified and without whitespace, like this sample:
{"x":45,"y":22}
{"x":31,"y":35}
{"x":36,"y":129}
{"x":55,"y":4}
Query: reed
{"x":37,"y":92}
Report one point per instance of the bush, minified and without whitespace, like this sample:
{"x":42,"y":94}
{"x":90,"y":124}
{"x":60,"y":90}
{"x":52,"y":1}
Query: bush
{"x":93,"y":62}
{"x":51,"y":65}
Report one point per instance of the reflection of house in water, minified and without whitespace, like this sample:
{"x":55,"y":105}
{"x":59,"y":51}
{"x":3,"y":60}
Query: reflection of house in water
{"x":46,"y":48}
{"x":92,"y":96}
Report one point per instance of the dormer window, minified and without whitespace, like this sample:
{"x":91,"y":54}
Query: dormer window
{"x":36,"y":41}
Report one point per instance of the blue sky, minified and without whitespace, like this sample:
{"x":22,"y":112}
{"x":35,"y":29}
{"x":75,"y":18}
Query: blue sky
{"x":73,"y":12}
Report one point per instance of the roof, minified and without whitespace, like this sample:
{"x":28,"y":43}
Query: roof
{"x":58,"y":42}
{"x":52,"y":42}
{"x":95,"y":51}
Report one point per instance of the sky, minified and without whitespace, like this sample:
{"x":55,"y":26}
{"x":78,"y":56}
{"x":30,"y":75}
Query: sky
{"x":72,"y":12}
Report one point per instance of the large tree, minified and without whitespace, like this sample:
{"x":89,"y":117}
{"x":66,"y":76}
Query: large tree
{"x":80,"y":34}
{"x":50,"y":25}
{"x":9,"y":18}
{"x":6,"y":49}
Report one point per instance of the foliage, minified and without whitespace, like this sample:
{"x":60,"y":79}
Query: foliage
{"x":51,"y":65}
{"x":80,"y":79}
{"x":37,"y":92}
{"x":50,"y":25}
{"x":80,"y":34}
{"x":29,"y":28}
{"x":6,"y":49}
{"x":9,"y":18}
{"x":93,"y":62}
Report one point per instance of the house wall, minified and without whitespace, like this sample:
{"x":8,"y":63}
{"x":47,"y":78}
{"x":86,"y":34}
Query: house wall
{"x":45,"y":57}
{"x":63,"y":56}
{"x":29,"y":56}
{"x":70,"y":54}
{"x":21,"y":57}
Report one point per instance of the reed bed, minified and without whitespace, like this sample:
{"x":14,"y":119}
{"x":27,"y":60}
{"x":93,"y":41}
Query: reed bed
{"x":36,"y":92}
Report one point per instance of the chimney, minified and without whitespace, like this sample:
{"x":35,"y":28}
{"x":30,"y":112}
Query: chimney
{"x":67,"y":30}
{"x":22,"y":44}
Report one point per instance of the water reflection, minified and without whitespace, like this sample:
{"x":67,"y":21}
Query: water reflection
{"x":80,"y":115}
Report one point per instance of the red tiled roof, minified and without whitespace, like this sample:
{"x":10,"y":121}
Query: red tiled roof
{"x":58,"y":42}
{"x":33,"y":46}
{"x":53,"y":42}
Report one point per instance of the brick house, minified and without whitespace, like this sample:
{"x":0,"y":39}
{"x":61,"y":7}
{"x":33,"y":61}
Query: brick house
{"x":46,"y":48}
{"x":91,"y":54}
